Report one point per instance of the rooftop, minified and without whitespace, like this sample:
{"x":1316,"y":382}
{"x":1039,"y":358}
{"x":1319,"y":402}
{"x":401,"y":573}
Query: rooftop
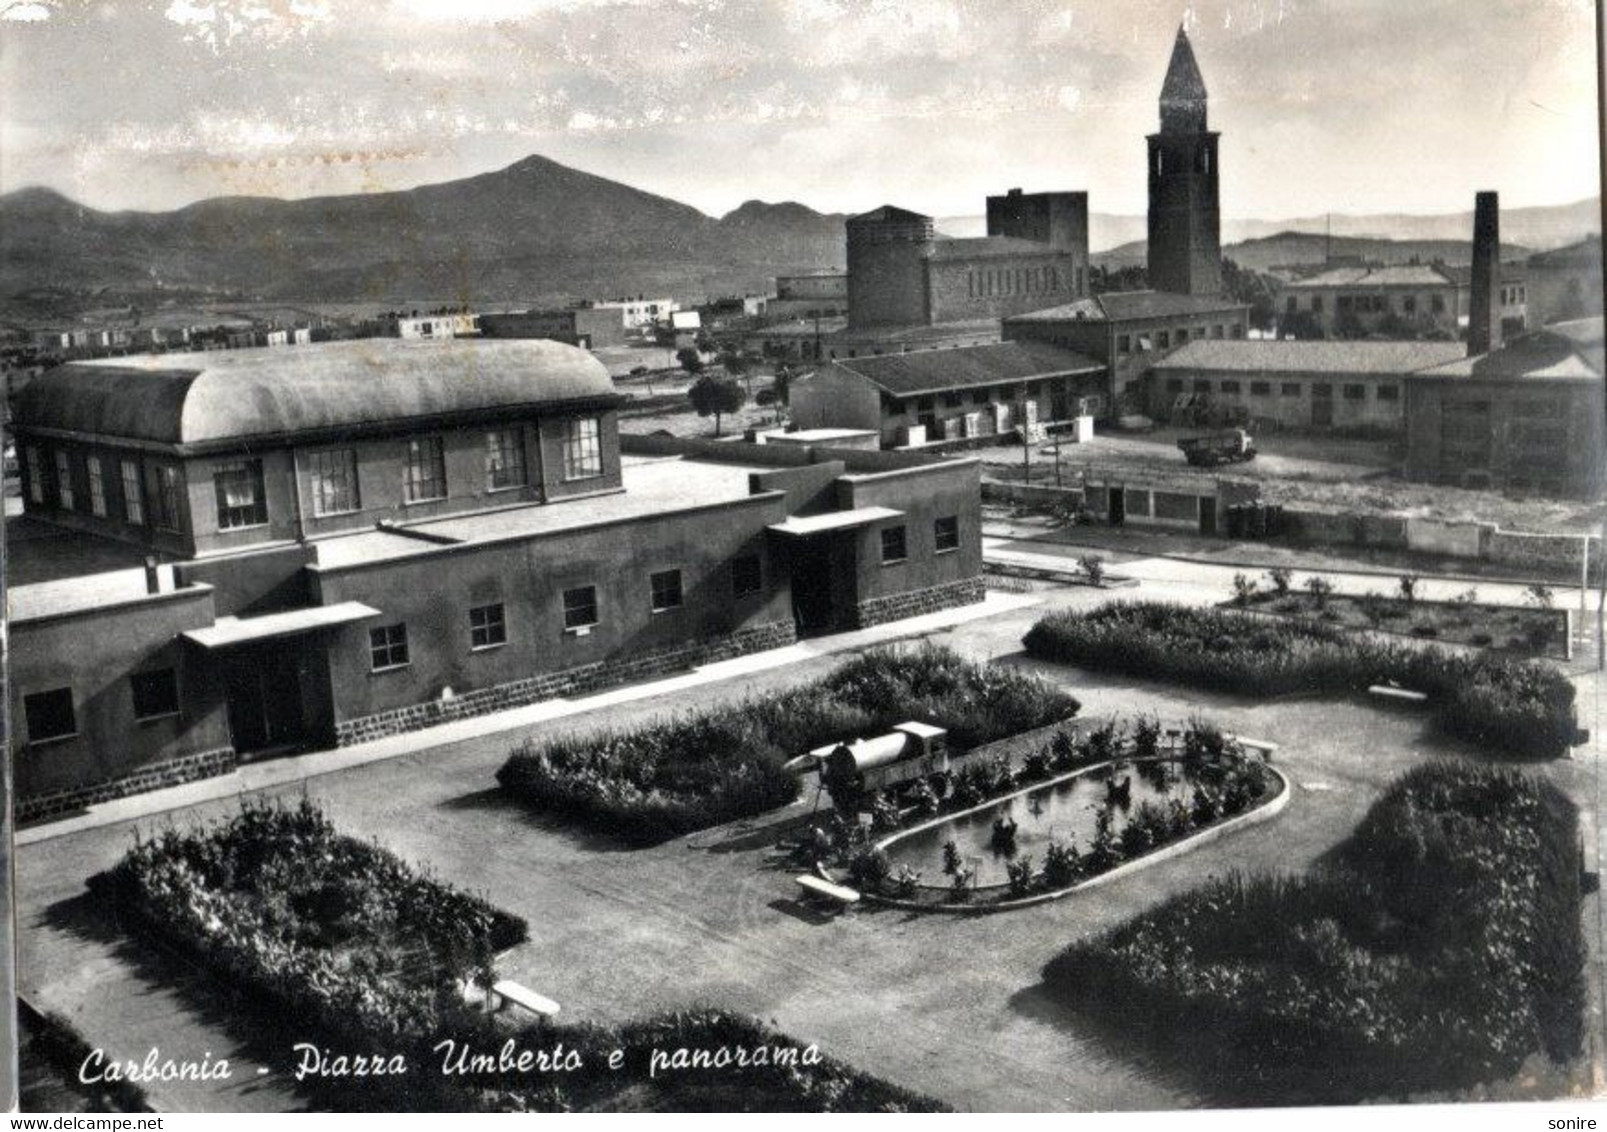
{"x":1566,"y":351}
{"x":1402,"y":275}
{"x":1125,"y":306}
{"x":967,"y":367}
{"x":1263,"y":356}
{"x":654,"y":485}
{"x":979,"y":247}
{"x":207,"y":398}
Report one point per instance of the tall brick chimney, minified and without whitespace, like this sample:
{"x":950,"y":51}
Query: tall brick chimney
{"x":1484,"y":303}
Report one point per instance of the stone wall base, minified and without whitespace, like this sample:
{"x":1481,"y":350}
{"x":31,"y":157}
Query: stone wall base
{"x":896,"y":607}
{"x":174,"y":772}
{"x":573,"y":681}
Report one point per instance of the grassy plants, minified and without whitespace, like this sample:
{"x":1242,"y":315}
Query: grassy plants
{"x":1517,"y":707}
{"x":703,"y":768}
{"x":1441,"y":948}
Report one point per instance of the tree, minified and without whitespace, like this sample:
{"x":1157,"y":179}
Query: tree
{"x":737,"y":365}
{"x":691,"y":361}
{"x":716,"y":396}
{"x":783,"y":383}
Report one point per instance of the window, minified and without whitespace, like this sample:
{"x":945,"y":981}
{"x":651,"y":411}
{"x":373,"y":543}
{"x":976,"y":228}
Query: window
{"x":1182,"y":335}
{"x":167,"y":497}
{"x":979,"y":396}
{"x":1322,"y":390}
{"x":241,"y":501}
{"x":1216,"y":330}
{"x":133,"y":494}
{"x":1409,"y":304}
{"x":156,"y":693}
{"x":1389,"y":393}
{"x":1261,"y":389}
{"x":1316,"y":304}
{"x":946,"y":534}
{"x":1292,"y":304}
{"x":1165,"y":338}
{"x":36,"y":475}
{"x":504,"y":459}
{"x":747,"y":575}
{"x":666,"y":585}
{"x":64,"y":480}
{"x":1238,"y":330}
{"x":1124,"y":344}
{"x":97,"y":485}
{"x":893,"y":545}
{"x":580,"y":607}
{"x":424,"y":478}
{"x":50,"y":715}
{"x":583,"y":449}
{"x":387,"y":647}
{"x":1174,"y":385}
{"x":488,"y":627}
{"x":953,"y":400}
{"x":1230,"y":387}
{"x":1202,"y":386}
{"x":1355,"y":392}
{"x":334,"y":482}
{"x":1289,"y":389}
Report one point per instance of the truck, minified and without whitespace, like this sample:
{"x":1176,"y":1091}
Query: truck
{"x":1231,"y":446}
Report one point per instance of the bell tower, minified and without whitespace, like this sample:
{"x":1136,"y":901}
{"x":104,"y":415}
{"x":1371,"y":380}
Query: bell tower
{"x":1185,"y":224}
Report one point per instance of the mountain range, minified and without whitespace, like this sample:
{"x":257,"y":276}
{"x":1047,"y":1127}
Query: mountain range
{"x":539,"y":232}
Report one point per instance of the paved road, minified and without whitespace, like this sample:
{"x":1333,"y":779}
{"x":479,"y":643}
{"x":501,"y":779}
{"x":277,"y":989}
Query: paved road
{"x":948,"y":1006}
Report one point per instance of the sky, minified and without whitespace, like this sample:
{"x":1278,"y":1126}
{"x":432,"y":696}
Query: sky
{"x":1324,"y":105}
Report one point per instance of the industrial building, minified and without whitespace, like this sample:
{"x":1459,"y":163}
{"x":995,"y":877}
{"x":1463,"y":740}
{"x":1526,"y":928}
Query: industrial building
{"x":232,"y":554}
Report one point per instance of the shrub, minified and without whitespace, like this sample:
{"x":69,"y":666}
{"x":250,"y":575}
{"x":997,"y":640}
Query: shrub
{"x":960,"y":884}
{"x":1280,"y":577}
{"x":951,"y":857}
{"x":1146,"y":736}
{"x":1408,"y":587}
{"x":1425,"y":630}
{"x":1063,"y":753}
{"x":1540,"y":596}
{"x":687,"y":772}
{"x":869,"y":869}
{"x":1503,"y":703}
{"x":1440,"y":948}
{"x":1244,"y":590}
{"x":1019,"y":872}
{"x":1035,"y":764}
{"x":1320,"y":589}
{"x":1061,"y":865}
{"x":1094,"y":567}
{"x":906,"y":881}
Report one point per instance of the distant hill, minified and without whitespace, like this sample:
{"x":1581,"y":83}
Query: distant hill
{"x":1289,"y":248}
{"x":536,"y":231}
{"x":1540,"y":228}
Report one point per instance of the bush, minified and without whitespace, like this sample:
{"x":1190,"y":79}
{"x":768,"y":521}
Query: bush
{"x":1019,"y":872}
{"x":1280,"y":577}
{"x":1244,"y":590}
{"x":1061,"y":865}
{"x":1320,"y":589}
{"x":1514,"y":706}
{"x":688,"y":772}
{"x":1094,"y":567}
{"x":1440,"y":949}
{"x":869,"y":869}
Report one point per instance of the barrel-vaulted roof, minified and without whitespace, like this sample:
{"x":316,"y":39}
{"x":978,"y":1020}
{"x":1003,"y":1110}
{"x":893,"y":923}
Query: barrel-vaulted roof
{"x":210,"y":398}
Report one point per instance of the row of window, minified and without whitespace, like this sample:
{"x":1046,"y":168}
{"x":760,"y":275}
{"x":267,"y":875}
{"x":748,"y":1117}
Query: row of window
{"x":1370,"y":304}
{"x":1166,"y":339}
{"x":108,"y":486}
{"x":53,"y":715}
{"x":895,"y":540}
{"x":1319,"y":390}
{"x":1017,"y":281}
{"x":488,"y":624}
{"x":979,"y":397}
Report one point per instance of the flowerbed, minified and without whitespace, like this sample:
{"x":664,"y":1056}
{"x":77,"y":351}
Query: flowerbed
{"x":1522,"y":629}
{"x":335,"y":931}
{"x":1517,"y":707}
{"x":1207,"y":780}
{"x":1440,"y":949}
{"x":333,"y":941}
{"x":713,"y":766}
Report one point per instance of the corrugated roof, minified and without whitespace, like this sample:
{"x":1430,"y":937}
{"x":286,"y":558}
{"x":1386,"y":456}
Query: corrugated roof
{"x":201,"y":398}
{"x":967,"y":367}
{"x":1247,"y":356}
{"x":1123,"y":306}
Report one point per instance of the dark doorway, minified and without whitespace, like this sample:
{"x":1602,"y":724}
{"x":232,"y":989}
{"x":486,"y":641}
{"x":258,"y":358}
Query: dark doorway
{"x":263,"y":686}
{"x":1207,"y":515}
{"x":819,"y":602}
{"x":1118,"y":506}
{"x":1322,"y":412}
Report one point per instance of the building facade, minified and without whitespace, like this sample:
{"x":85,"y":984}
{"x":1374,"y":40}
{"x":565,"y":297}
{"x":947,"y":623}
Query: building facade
{"x":1565,"y":284}
{"x":1351,"y":302}
{"x":928,"y":396}
{"x":225,"y":556}
{"x":823,"y":295}
{"x":587,"y":327}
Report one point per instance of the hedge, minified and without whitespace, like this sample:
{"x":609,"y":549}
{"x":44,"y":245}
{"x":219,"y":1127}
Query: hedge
{"x":1518,"y":707}
{"x":708,"y":767}
{"x":1440,"y":948}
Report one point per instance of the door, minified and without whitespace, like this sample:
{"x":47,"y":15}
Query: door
{"x":813,"y":598}
{"x":263,"y":686}
{"x":1208,"y":515}
{"x":1322,"y":412}
{"x":1118,"y":506}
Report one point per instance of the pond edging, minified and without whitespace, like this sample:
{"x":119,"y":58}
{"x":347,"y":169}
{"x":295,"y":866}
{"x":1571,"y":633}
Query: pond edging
{"x":1263,"y":812}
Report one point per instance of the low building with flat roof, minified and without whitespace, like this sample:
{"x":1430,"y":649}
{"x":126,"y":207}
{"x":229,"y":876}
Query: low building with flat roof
{"x":226,"y":556}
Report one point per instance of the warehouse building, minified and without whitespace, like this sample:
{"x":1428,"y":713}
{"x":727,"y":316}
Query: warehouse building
{"x":228,"y":555}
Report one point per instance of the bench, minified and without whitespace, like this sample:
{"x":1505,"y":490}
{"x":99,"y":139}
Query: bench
{"x":506,"y":991}
{"x":1399,"y":695}
{"x":826,"y":890}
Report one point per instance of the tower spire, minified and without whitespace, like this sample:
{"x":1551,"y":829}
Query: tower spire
{"x":1183,"y":97}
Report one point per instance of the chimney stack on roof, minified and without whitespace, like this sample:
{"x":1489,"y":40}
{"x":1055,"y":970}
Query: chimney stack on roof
{"x":1484,"y":302}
